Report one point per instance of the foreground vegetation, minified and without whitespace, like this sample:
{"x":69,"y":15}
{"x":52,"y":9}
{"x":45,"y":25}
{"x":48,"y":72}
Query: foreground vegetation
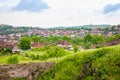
{"x":97,"y":64}
{"x":33,"y":55}
{"x":101,"y":64}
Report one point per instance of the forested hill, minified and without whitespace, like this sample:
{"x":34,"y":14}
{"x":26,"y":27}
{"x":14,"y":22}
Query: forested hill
{"x":5,"y":27}
{"x":8,"y":29}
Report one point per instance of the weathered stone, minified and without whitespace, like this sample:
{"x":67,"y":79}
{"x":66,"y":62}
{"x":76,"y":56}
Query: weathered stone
{"x":28,"y":70}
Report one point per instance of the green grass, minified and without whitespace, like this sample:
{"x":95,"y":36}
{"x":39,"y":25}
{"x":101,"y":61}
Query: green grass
{"x":3,"y":59}
{"x":36,"y":56}
{"x":21,"y":59}
{"x":96,"y":64}
{"x":100,"y":64}
{"x":52,"y":53}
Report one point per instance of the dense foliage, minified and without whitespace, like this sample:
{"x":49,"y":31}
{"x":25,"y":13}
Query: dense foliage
{"x":36,"y":39}
{"x":13,"y":59}
{"x":8,"y":29}
{"x":25,"y":43}
{"x":5,"y":51}
{"x":46,"y":53}
{"x":98,"y":64}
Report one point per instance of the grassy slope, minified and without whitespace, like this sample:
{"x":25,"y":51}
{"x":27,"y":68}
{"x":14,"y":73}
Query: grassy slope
{"x":97,"y":64}
{"x":101,"y":64}
{"x":36,"y":56}
{"x":22,"y":59}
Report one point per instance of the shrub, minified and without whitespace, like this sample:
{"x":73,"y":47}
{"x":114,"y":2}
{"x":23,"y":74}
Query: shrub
{"x":41,"y":49}
{"x":56,"y":52}
{"x":13,"y":59}
{"x":37,"y":49}
{"x":87,"y":45}
{"x":100,"y":64}
{"x":47,"y":52}
{"x":46,"y":48}
{"x":5,"y":51}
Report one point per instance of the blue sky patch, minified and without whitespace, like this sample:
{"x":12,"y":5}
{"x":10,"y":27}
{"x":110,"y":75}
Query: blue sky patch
{"x":111,"y":8}
{"x":31,"y":5}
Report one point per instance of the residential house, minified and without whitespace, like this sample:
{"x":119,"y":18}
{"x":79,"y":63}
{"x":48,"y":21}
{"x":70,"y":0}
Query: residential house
{"x":16,"y":49}
{"x":37,"y":45}
{"x":9,"y":44}
{"x":64,"y":44}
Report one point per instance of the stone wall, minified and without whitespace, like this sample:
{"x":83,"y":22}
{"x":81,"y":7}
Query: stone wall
{"x":28,"y":70}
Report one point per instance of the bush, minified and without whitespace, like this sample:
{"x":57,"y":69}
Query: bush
{"x":13,"y":59}
{"x":46,"y":48}
{"x":56,"y":52}
{"x":46,"y":53}
{"x":41,"y":48}
{"x":87,"y":45}
{"x":37,"y":49}
{"x":5,"y":51}
{"x":102,"y":64}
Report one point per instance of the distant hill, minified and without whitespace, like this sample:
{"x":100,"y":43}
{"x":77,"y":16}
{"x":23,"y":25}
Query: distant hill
{"x":93,"y":26}
{"x":5,"y":27}
{"x":8,"y":29}
{"x":82,"y":27}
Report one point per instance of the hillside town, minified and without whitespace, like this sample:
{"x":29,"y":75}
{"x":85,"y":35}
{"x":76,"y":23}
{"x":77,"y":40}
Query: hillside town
{"x":12,"y":40}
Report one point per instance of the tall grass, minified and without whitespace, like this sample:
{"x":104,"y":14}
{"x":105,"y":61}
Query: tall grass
{"x":53,"y":52}
{"x":13,"y":59}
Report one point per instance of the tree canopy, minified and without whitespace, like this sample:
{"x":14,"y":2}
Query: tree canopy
{"x":36,"y":39}
{"x":25,"y":43}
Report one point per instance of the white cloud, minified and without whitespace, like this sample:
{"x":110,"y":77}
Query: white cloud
{"x":64,"y":13}
{"x":9,"y":3}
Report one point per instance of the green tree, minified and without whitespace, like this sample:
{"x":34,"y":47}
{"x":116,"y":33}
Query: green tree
{"x":106,"y":30}
{"x":87,"y":38}
{"x":97,"y":39}
{"x":56,"y":52}
{"x":25,"y":43}
{"x":87,"y":45}
{"x":87,"y":41}
{"x":53,"y":39}
{"x":113,"y":28}
{"x":36,"y":39}
{"x":65,"y":38}
{"x":75,"y":40}
{"x":111,"y":38}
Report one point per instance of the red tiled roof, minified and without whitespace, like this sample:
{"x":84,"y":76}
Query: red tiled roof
{"x":7,"y":44}
{"x":36,"y":44}
{"x":63,"y":42}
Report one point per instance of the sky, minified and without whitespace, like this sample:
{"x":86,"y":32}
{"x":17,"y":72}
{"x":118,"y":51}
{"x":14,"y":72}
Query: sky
{"x":53,"y":13}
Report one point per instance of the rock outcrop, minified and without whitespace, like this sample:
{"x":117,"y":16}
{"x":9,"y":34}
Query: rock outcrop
{"x":28,"y":70}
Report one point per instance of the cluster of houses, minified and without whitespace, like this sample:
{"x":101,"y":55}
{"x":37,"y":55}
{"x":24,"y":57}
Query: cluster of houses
{"x":12,"y":40}
{"x":70,"y":33}
{"x":64,"y":44}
